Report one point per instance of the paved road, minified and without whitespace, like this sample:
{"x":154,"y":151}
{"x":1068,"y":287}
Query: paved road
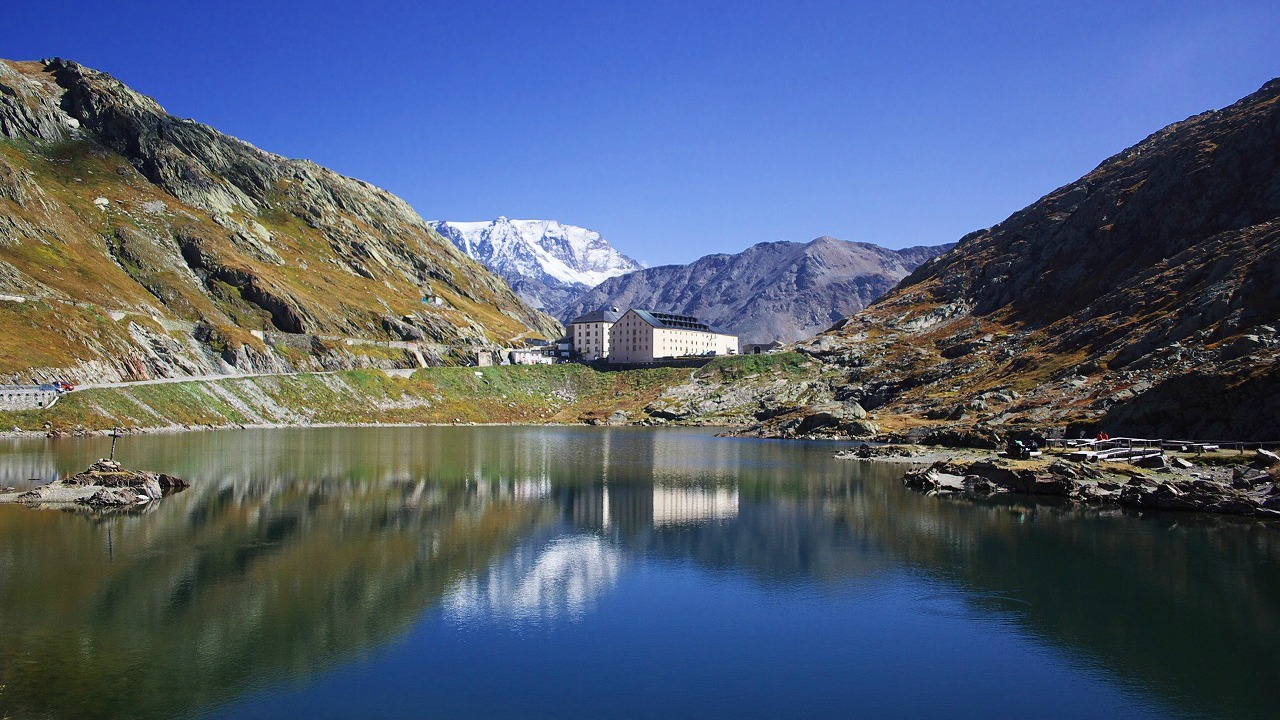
{"x":199,"y":378}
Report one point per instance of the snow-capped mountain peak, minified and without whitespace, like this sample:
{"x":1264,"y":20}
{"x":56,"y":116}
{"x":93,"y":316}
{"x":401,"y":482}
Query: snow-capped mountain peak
{"x":545,"y":261}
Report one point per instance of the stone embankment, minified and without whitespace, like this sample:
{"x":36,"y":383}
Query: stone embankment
{"x":103,"y":484}
{"x":1252,"y":489}
{"x":27,"y":397}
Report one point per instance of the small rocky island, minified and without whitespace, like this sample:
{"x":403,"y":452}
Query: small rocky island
{"x":104,"y":484}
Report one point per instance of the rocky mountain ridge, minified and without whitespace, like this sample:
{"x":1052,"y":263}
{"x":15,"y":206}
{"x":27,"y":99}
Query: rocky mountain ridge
{"x":547,"y":263}
{"x":136,"y":244}
{"x":1141,"y":299}
{"x":783,"y":291}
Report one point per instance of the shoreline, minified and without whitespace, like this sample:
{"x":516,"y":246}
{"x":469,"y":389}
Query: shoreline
{"x":1217,"y":484}
{"x":897,"y":453}
{"x":178,"y":429}
{"x":1244,"y":488}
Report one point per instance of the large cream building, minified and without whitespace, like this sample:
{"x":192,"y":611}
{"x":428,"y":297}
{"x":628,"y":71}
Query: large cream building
{"x":590,"y":334}
{"x":645,"y":335}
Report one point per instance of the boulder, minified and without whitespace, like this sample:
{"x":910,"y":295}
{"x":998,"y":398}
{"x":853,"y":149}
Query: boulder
{"x":946,"y":482}
{"x":1089,"y":471}
{"x":1151,"y":462}
{"x":1020,"y":481}
{"x":978,"y":485}
{"x":1243,"y":477}
{"x":860,"y":428}
{"x":169,"y":483}
{"x":1050,"y":484}
{"x":854,"y":411}
{"x":669,"y":412}
{"x":149,"y":488}
{"x":1060,"y":467}
{"x":1096,"y":492}
{"x":933,"y":480}
{"x":109,"y":497}
{"x":1241,"y":346}
{"x":818,"y":419}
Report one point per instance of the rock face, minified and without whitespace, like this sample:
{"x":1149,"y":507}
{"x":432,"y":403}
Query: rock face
{"x":146,"y":244}
{"x":771,"y":291}
{"x":1141,"y":299}
{"x":545,"y":262}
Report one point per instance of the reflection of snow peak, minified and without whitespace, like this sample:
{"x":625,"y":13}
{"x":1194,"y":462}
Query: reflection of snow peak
{"x":563,"y":578}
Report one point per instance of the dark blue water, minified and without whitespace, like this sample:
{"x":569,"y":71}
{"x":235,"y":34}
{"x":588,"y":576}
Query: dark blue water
{"x":551,"y":573}
{"x":674,"y":640}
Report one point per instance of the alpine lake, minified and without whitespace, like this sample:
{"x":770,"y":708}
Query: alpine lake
{"x":552,"y":572}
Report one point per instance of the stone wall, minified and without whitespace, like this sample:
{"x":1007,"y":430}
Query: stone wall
{"x":26,"y":397}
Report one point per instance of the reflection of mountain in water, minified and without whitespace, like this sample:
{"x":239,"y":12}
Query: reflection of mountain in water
{"x":561,"y":577}
{"x":228,"y":586}
{"x":1179,"y":604}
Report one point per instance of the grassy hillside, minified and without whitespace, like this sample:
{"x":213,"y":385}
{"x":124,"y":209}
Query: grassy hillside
{"x":512,"y":394}
{"x":191,"y":239}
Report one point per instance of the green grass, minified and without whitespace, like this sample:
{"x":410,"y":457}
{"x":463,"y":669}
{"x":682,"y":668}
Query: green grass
{"x":737,"y":367}
{"x":509,"y":394}
{"x":373,"y":351}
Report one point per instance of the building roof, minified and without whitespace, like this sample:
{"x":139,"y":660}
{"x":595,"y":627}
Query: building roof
{"x":672,"y":321}
{"x":608,"y":315}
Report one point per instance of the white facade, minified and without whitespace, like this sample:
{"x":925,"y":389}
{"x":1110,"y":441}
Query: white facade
{"x":590,"y":334}
{"x":530,"y":356}
{"x":591,"y":340}
{"x":643,"y":336}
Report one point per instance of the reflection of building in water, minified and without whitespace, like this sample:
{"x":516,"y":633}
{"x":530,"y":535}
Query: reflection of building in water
{"x":538,"y":582}
{"x":684,"y":506}
{"x":629,"y":508}
{"x":501,"y":487}
{"x":585,"y":505}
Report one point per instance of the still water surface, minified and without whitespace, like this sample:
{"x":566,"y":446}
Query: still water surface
{"x":558,"y":573}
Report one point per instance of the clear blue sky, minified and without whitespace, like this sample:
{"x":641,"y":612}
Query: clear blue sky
{"x":679,"y":129}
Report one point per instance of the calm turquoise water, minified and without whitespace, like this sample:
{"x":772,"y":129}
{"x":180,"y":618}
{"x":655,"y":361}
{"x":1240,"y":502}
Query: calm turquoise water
{"x":619,"y":573}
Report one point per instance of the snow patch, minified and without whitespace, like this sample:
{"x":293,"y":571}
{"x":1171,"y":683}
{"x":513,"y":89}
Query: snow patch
{"x":542,"y":250}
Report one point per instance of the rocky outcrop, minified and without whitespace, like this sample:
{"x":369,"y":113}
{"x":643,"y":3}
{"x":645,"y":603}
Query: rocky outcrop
{"x":113,"y":211}
{"x":1140,"y":299}
{"x":103,"y":485}
{"x":1252,"y":491}
{"x":771,"y":291}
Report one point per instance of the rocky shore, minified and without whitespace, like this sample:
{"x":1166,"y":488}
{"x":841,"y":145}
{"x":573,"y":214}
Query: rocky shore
{"x":1252,"y":489}
{"x":104,"y":484}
